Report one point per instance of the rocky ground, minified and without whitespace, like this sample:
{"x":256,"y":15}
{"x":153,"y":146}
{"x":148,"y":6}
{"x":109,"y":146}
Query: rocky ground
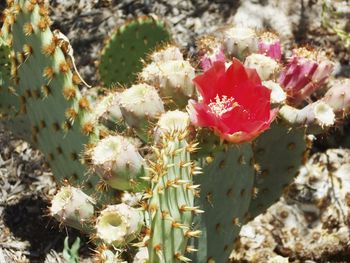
{"x":26,"y":233}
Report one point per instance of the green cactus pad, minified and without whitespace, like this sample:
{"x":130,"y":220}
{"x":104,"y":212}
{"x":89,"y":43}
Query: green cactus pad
{"x":45,"y":85}
{"x":279,"y":153}
{"x":121,"y":57}
{"x":225,"y":193}
{"x":9,"y":101}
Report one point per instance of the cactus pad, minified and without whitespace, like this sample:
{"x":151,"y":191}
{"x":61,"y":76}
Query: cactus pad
{"x":58,"y":114}
{"x":279,"y":153}
{"x":121,"y":57}
{"x":226,"y":187}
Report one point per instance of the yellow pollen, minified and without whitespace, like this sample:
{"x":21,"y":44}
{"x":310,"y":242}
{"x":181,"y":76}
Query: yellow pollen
{"x":269,"y":37}
{"x":304,"y":52}
{"x":222,"y":105}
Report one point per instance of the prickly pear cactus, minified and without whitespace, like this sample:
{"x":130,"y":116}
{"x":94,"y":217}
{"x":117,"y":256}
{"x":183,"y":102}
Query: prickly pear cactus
{"x":229,"y":181}
{"x":9,"y":102}
{"x":60,"y":117}
{"x":279,"y":153}
{"x":171,"y":204}
{"x":122,"y":55}
{"x":9,"y":99}
{"x":225,"y":193}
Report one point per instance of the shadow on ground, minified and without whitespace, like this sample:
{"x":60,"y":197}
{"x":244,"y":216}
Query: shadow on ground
{"x":28,"y":221}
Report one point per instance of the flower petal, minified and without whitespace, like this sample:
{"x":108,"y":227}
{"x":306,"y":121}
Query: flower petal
{"x":207,"y":82}
{"x":201,"y":115}
{"x":248,"y":115}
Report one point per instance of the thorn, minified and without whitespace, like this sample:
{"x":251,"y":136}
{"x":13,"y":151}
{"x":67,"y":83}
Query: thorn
{"x":193,"y":187}
{"x":182,"y":181}
{"x":182,"y":257}
{"x":146,"y":178}
{"x":183,"y":165}
{"x":194,"y":233}
{"x":178,"y":225}
{"x":192,"y":147}
{"x":194,"y":209}
{"x":191,"y":249}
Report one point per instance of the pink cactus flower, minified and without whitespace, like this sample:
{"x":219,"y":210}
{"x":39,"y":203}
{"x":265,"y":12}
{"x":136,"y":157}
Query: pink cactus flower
{"x":234,"y":103}
{"x":304,"y":74}
{"x":269,"y":45}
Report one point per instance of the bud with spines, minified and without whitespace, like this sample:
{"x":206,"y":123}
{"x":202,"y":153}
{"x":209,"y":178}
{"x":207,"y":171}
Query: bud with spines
{"x":117,"y":160}
{"x":141,"y":256}
{"x":173,"y":78}
{"x":314,"y":115}
{"x":266,"y":67}
{"x":171,"y":121}
{"x":73,"y":207}
{"x":107,"y":111}
{"x":338,"y":97}
{"x":140,"y":104}
{"x":118,"y":224}
{"x":278,"y":96}
{"x":167,"y":53}
{"x":240,"y":41}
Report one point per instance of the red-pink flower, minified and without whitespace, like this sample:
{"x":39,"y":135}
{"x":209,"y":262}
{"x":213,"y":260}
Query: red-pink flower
{"x":234,"y":103}
{"x":305,"y":73}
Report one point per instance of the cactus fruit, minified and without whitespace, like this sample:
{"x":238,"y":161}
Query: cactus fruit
{"x":278,"y":96}
{"x":266,"y":67}
{"x":315,"y":115}
{"x":103,"y":254}
{"x":338,"y":97}
{"x":304,"y":74}
{"x":173,"y":78}
{"x":107,"y":111}
{"x":118,"y":162}
{"x":72,"y":207}
{"x":140,"y":105}
{"x":269,"y":45}
{"x":240,"y":41}
{"x":118,"y":224}
{"x":141,"y":256}
{"x":122,"y":55}
{"x":166,"y":53}
{"x":210,"y":50}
